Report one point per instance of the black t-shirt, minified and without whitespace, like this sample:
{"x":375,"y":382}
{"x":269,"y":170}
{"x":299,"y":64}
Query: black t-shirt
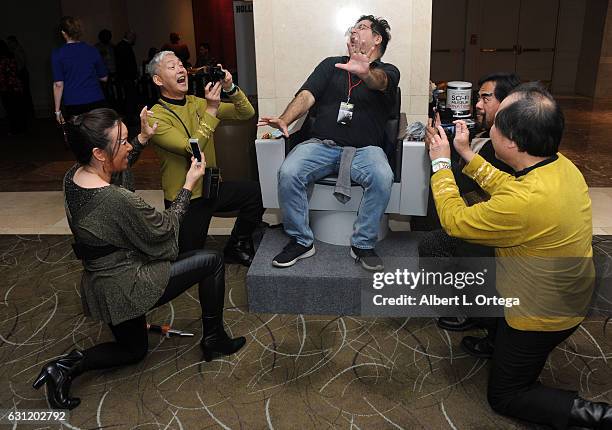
{"x":329,"y":86}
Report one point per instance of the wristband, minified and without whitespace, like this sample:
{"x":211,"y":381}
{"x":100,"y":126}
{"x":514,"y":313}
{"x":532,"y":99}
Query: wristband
{"x":58,"y":113}
{"x":231,"y":91}
{"x":440,"y":160}
{"x":440,"y":165}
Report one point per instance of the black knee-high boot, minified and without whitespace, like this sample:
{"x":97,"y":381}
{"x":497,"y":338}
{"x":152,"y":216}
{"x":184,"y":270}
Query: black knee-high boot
{"x":58,"y":376}
{"x":215,"y":341}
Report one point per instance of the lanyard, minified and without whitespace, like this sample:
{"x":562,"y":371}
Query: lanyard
{"x":351,"y":86}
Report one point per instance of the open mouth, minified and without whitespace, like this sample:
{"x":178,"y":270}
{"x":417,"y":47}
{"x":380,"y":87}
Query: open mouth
{"x":181,"y":80}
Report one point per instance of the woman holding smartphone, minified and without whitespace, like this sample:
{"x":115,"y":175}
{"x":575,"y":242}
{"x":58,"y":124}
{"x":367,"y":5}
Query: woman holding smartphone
{"x":130,"y":254}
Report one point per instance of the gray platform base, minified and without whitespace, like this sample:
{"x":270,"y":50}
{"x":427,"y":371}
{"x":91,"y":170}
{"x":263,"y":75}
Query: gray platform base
{"x":327,"y":283}
{"x":336,"y":227}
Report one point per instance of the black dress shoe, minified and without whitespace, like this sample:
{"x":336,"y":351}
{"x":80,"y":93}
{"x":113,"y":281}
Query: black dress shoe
{"x":239,"y":251}
{"x":457,"y":323}
{"x":480,"y":347}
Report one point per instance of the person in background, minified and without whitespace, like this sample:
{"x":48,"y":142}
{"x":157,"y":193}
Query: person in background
{"x":127,"y":76}
{"x":147,"y":89}
{"x":11,"y":91}
{"x":180,"y":49}
{"x":130,"y":254}
{"x":22,"y":72}
{"x":78,"y":70}
{"x":150,"y":54}
{"x":204,"y":58}
{"x":539,"y":221}
{"x":107,"y":50}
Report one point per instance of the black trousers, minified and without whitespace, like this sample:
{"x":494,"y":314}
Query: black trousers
{"x":243,"y":196}
{"x":440,"y":252}
{"x":514,"y":389}
{"x":131,"y":336}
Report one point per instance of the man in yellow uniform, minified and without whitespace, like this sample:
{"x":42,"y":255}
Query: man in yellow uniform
{"x":181,"y":117}
{"x":539,"y":221}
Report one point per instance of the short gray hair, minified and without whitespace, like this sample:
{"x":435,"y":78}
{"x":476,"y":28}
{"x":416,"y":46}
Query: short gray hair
{"x":153,"y":66}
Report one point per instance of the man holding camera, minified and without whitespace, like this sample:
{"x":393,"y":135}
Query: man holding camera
{"x":182,"y":117}
{"x":493,"y":89}
{"x":539,"y":220}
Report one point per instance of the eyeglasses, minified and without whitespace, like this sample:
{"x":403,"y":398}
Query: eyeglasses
{"x":485,"y":97}
{"x":361,"y":27}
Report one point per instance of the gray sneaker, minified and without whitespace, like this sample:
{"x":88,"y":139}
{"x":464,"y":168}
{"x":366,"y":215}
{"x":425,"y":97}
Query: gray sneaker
{"x":368,"y":259}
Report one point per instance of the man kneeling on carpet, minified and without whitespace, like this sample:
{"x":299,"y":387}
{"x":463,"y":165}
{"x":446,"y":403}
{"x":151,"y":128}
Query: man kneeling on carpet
{"x":130,"y":254}
{"x":183,"y":117}
{"x":539,"y":221}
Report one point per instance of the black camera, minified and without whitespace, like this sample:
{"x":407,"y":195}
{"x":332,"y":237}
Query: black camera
{"x":214,"y":74}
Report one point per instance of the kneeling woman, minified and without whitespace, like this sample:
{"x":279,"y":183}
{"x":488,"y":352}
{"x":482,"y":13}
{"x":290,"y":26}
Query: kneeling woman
{"x":130,"y":255}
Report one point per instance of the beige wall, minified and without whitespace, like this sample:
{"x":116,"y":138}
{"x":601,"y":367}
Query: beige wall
{"x":154,"y":27}
{"x":292,"y":37}
{"x":98,"y":15}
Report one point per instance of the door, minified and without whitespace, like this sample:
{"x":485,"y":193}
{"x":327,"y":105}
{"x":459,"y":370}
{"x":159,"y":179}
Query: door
{"x":537,"y":39}
{"x":518,"y":36}
{"x":499,"y":24}
{"x":448,"y":40}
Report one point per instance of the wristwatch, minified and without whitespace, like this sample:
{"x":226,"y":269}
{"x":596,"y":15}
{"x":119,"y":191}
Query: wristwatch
{"x":232,"y":90}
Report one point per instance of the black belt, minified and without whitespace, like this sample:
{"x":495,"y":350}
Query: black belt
{"x":90,"y":252}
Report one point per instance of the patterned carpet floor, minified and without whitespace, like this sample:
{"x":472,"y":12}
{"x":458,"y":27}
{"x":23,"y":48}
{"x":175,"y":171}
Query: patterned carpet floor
{"x":296,"y":372}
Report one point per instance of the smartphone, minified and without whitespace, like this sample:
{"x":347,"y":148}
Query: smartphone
{"x":195,"y":148}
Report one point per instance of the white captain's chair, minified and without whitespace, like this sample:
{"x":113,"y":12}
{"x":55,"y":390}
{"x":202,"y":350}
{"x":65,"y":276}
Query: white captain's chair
{"x":332,"y":221}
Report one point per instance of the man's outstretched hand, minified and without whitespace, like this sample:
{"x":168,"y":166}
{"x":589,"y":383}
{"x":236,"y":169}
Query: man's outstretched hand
{"x":272,"y":121}
{"x":359,"y":60}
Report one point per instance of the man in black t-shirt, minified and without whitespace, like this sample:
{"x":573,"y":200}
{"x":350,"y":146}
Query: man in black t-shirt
{"x":353,"y":97}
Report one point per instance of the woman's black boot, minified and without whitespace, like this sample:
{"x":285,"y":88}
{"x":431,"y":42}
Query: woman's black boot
{"x":58,"y":376}
{"x":216,"y":342}
{"x":590,"y":415}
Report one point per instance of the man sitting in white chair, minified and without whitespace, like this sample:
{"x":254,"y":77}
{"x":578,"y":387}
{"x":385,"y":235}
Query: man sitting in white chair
{"x":353,"y":97}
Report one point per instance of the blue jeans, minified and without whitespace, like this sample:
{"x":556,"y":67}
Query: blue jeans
{"x":312,"y":160}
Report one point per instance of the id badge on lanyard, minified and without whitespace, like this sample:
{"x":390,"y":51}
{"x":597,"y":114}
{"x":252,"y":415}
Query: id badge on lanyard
{"x":345,"y":112}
